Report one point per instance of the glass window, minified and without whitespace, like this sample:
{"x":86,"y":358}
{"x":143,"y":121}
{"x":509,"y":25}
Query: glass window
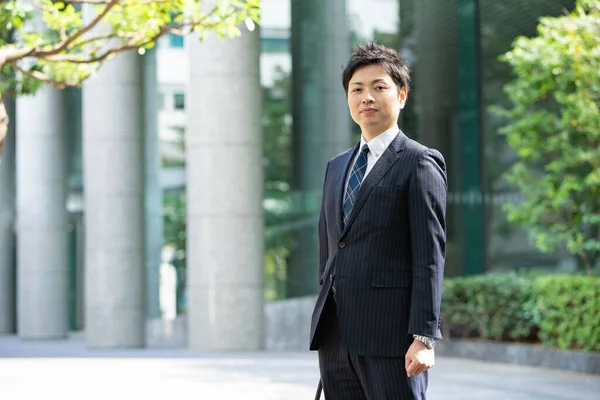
{"x":501,"y":22}
{"x":175,"y":41}
{"x":437,"y":43}
{"x":179,"y":101}
{"x":275,"y":45}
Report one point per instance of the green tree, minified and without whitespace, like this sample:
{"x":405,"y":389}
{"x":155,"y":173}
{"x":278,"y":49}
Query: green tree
{"x":63,"y":43}
{"x":277,"y":133}
{"x":175,"y":237}
{"x":277,"y":144}
{"x":554,"y":129}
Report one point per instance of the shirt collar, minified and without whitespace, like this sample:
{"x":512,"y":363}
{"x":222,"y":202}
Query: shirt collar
{"x":381,"y":142}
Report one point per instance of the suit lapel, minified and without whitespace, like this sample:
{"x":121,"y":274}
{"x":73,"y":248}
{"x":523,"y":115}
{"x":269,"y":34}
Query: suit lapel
{"x":383,"y":165}
{"x":340,"y":185}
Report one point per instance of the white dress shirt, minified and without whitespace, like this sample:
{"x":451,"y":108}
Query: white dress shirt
{"x":377,"y":146}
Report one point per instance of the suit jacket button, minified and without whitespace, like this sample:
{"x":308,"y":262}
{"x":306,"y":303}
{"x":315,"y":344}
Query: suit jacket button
{"x":342,"y":245}
{"x":331,"y":277}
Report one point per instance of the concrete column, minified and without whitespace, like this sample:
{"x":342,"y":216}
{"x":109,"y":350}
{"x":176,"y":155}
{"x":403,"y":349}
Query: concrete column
{"x":113,"y":154}
{"x":153,"y":191}
{"x":7,"y":215}
{"x":224,"y":195}
{"x":336,"y":51}
{"x":321,"y":130}
{"x":42,"y":246}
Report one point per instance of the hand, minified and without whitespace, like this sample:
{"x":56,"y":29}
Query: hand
{"x":419,"y":358}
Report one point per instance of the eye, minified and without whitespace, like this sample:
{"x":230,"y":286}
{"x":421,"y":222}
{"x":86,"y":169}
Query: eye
{"x":356,"y":90}
{"x":380,"y":87}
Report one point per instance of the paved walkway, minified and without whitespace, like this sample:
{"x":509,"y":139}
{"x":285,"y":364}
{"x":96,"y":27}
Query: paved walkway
{"x":65,"y":369}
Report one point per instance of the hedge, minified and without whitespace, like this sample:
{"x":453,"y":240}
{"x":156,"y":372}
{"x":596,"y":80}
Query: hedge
{"x":562,"y":311}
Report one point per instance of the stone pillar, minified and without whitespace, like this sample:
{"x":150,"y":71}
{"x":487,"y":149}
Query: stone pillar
{"x":321,"y":130}
{"x":7,"y":215}
{"x":336,"y":52}
{"x":42,"y":245}
{"x":224,"y":195}
{"x":113,"y":154}
{"x":153,"y":191}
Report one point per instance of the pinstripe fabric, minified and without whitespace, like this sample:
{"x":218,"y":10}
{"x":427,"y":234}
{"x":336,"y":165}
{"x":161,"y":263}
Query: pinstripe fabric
{"x":388,"y":260}
{"x":350,"y":377}
{"x":339,"y":377}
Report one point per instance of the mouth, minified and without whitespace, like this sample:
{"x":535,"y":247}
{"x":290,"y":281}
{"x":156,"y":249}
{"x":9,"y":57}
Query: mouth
{"x":368,"y":111}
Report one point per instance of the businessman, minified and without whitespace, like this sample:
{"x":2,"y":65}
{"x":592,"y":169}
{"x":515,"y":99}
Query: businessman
{"x":382,"y":239}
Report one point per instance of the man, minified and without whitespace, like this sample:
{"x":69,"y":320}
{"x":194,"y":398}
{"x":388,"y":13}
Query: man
{"x":382,"y":235}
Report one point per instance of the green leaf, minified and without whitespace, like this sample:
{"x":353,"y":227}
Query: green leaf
{"x":553,"y":126}
{"x":134,"y":24}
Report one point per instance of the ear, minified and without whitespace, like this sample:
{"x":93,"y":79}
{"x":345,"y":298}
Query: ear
{"x":402,"y":95}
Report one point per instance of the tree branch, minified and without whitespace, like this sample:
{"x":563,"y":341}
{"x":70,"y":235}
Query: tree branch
{"x":107,"y":1}
{"x":3,"y":122}
{"x":40,"y":76}
{"x":86,"y":1}
{"x":586,"y":262}
{"x":66,"y":43}
{"x":179,"y":31}
{"x":10,"y":53}
{"x":132,"y":44}
{"x":80,"y":55}
{"x":94,"y":39}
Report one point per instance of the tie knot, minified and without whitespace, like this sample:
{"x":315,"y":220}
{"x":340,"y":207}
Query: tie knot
{"x":365,"y":149}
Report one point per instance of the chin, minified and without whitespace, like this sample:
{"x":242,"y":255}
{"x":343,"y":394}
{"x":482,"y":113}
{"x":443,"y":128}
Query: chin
{"x":372,"y":123}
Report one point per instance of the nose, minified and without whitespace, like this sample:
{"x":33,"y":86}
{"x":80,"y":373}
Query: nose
{"x":367,"y":98}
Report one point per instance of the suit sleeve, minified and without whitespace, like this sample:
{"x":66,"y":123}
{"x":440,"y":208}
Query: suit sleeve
{"x":323,"y":244}
{"x":427,"y":218}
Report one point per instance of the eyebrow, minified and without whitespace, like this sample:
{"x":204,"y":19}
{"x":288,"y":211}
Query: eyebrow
{"x":374,"y":81}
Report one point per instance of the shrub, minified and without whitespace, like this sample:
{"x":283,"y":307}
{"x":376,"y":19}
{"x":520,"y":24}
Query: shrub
{"x":492,"y":306}
{"x":553,"y":126}
{"x":561,"y":311}
{"x":569,"y":308}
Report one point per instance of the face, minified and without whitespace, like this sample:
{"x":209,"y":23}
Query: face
{"x":374,"y":100}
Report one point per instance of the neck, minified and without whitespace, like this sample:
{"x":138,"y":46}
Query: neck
{"x":370,"y":134}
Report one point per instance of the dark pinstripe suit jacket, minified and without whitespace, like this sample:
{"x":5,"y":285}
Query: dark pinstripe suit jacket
{"x":388,"y":261}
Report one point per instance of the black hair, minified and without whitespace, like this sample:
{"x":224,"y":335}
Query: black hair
{"x":372,"y":53}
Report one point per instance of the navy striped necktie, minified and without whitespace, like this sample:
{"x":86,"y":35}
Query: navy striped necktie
{"x":356,"y":177}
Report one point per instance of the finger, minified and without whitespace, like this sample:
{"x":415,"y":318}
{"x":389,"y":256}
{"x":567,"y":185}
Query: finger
{"x":407,"y":363}
{"x":420,"y":370}
{"x":418,"y":367}
{"x":412,"y":368}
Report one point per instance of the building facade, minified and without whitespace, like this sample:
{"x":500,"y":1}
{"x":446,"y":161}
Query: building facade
{"x":92,"y":187}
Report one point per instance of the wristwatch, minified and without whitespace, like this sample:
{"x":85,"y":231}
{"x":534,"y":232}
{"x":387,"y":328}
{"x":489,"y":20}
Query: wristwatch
{"x":427,"y":341}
